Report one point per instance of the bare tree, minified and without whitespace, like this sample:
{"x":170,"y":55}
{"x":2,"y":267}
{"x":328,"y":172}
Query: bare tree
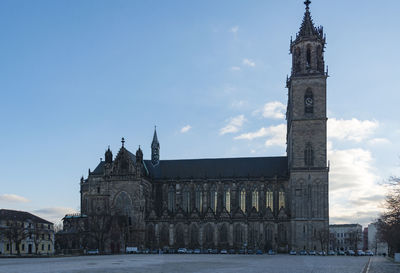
{"x":322,"y":236}
{"x":389,"y":222}
{"x":15,"y":232}
{"x":99,"y":227}
{"x":355,"y":237}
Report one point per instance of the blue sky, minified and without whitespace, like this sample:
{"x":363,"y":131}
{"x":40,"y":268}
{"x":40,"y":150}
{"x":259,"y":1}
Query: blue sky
{"x":76,"y":76}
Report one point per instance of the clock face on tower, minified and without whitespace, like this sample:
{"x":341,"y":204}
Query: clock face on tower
{"x":309,"y":101}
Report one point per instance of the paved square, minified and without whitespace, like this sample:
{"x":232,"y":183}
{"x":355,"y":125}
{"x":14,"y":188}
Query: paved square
{"x":185,"y":263}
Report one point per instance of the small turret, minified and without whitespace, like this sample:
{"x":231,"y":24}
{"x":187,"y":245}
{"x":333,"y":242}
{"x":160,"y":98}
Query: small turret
{"x":108,"y":156}
{"x":155,"y":149}
{"x":139,"y":155}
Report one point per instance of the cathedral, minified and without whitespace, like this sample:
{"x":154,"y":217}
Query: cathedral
{"x":278,"y":203}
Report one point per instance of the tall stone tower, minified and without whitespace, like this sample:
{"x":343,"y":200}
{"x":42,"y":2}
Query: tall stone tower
{"x":307,"y":138}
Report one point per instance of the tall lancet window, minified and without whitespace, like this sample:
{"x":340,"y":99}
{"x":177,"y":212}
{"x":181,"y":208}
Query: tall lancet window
{"x":281,"y":199}
{"x":243,"y":200}
{"x":213,"y":198}
{"x":199,"y":199}
{"x":227,"y":199}
{"x":309,"y":155}
{"x":186,"y":200}
{"x":269,"y":199}
{"x":254,"y":199}
{"x":171,"y":198}
{"x":308,"y":57}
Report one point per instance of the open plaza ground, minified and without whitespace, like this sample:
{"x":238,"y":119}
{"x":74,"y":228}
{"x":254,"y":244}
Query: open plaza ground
{"x":200,"y":263}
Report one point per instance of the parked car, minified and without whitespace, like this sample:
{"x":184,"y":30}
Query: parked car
{"x":360,"y":253}
{"x":369,"y":253}
{"x":331,"y":253}
{"x":250,"y":251}
{"x":242,"y":251}
{"x":189,"y":251}
{"x":259,"y":252}
{"x":154,"y":251}
{"x":223,"y":251}
{"x":292,"y":252}
{"x":341,"y":253}
{"x":322,"y":253}
{"x":171,"y":251}
{"x":92,"y":252}
{"x":232,"y":251}
{"x":303,"y":252}
{"x":271,"y":252}
{"x":197,"y":251}
{"x":146,"y":251}
{"x":351,"y":252}
{"x":182,"y":250}
{"x":312,"y":252}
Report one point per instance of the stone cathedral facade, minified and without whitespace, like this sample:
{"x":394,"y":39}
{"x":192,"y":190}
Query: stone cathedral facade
{"x":278,"y":203}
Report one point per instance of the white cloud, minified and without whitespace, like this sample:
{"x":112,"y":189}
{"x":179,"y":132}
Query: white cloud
{"x":186,"y":129}
{"x":379,"y":141}
{"x":234,"y":29}
{"x":234,"y":125}
{"x":248,"y":62}
{"x":239,"y":104}
{"x":235,"y":68}
{"x":355,"y":195}
{"x":13,"y":198}
{"x":352,"y":129}
{"x":54,"y":214}
{"x":274,"y":109}
{"x":276,"y":135}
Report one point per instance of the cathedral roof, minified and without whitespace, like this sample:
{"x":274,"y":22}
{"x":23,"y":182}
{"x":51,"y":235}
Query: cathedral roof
{"x":219,"y":168}
{"x":212,"y":168}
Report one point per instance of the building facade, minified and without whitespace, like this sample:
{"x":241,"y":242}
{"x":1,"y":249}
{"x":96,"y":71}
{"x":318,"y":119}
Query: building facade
{"x":266,"y":203}
{"x":22,"y":233}
{"x":346,"y":237}
{"x":376,"y":245}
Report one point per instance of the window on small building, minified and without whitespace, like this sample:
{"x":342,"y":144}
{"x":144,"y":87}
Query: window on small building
{"x":8,"y":247}
{"x":269,"y":199}
{"x":255,"y":199}
{"x":42,"y":246}
{"x":243,"y":200}
{"x":23,"y":247}
{"x":48,"y":247}
{"x":98,"y":189}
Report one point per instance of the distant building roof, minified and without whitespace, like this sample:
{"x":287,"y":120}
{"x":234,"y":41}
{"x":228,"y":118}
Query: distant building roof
{"x":16,"y":215}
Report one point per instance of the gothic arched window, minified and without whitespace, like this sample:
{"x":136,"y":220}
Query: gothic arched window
{"x":186,"y":200}
{"x":282,"y":199}
{"x":309,"y":102}
{"x":308,"y":57}
{"x":309,"y":155}
{"x":243,"y":200}
{"x":227,"y":200}
{"x":269,"y":199}
{"x":213,"y":198}
{"x":171,"y":199}
{"x":199,"y":199}
{"x":254,"y":199}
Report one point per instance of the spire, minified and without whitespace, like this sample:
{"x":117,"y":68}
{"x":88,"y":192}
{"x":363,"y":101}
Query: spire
{"x":155,"y":148}
{"x":155,"y":139}
{"x":307,"y":27}
{"x":123,"y":141}
{"x":108,"y":155}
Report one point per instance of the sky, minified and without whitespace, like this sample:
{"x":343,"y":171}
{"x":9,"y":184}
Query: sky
{"x":76,"y":76}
